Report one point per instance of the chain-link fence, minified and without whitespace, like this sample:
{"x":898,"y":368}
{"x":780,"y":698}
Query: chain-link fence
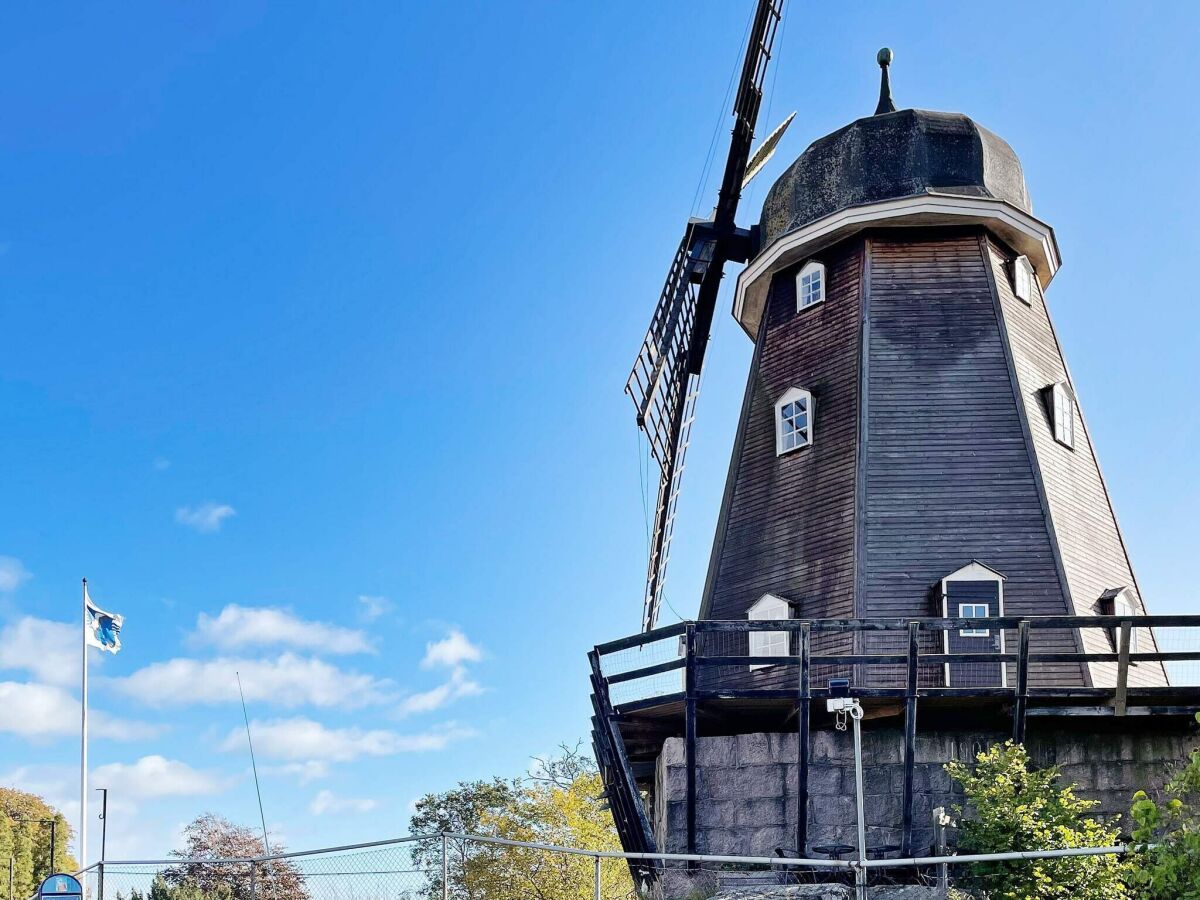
{"x":468,"y":867}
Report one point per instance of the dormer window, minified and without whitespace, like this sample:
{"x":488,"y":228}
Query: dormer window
{"x":1119,"y":602}
{"x":975,"y":591}
{"x":768,"y":643}
{"x":793,"y":421}
{"x":1022,"y":279}
{"x":1060,"y":404}
{"x":810,"y":285}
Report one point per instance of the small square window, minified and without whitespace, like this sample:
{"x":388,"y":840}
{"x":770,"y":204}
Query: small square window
{"x":1023,"y":280}
{"x":973,"y":611}
{"x":1062,"y":412}
{"x":810,"y":285}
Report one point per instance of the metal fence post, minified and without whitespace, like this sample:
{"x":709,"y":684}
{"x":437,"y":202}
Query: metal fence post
{"x":445,"y":868}
{"x":597,"y":876}
{"x":100,"y":880}
{"x":253,"y":879}
{"x":939,"y":819}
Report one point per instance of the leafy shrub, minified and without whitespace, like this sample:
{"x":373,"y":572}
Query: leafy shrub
{"x":1169,"y":870}
{"x":1014,"y":807}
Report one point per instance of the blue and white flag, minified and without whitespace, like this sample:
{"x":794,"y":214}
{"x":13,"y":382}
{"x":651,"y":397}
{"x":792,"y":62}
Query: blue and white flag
{"x":102,"y":629}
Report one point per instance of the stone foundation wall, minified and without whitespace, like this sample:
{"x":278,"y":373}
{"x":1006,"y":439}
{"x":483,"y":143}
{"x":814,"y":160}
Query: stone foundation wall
{"x":746,"y":784}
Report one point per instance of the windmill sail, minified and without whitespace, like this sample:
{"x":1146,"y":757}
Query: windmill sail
{"x":665,"y":378}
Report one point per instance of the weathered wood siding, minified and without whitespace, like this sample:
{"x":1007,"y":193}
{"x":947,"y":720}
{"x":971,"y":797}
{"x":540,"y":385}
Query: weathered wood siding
{"x":788,"y":524}
{"x":1085,"y":525}
{"x":948,"y":474}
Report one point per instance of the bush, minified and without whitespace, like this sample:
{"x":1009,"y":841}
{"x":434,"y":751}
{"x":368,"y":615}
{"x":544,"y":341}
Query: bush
{"x":1170,"y":870}
{"x":1013,"y":807}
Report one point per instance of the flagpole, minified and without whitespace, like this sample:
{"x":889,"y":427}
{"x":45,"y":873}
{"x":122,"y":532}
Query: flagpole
{"x":83,"y":793}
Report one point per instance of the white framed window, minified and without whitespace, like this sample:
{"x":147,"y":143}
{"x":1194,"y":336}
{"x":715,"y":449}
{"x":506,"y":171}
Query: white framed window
{"x":810,"y":285}
{"x":769,"y":643}
{"x":1120,"y":602}
{"x":1023,"y":280}
{"x":1062,"y":413}
{"x":794,"y":413}
{"x":973,"y":611}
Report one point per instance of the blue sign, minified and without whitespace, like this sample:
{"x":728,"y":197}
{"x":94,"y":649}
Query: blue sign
{"x":65,"y":886}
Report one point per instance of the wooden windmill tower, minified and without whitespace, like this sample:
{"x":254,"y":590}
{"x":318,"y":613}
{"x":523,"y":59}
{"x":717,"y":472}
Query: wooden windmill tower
{"x":911,"y":457}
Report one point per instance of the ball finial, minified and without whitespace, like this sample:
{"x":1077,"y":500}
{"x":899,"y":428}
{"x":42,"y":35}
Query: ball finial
{"x":884,"y":57}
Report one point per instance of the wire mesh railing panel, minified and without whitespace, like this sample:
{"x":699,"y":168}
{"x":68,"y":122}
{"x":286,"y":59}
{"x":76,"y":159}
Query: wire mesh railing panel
{"x":408,"y":871}
{"x":651,"y":653}
{"x":1184,"y":673}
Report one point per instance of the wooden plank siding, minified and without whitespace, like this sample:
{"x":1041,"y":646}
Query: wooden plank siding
{"x":948,"y":474}
{"x":789,"y":520}
{"x":1093,"y":552}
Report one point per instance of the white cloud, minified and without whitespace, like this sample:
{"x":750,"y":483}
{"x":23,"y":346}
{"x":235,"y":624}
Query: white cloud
{"x":156,"y":776}
{"x":459,"y":685}
{"x":371,"y":608}
{"x":205,"y":518}
{"x":48,"y":650}
{"x":288,"y":681}
{"x":12,"y":574}
{"x":452,"y":650}
{"x":305,"y":739}
{"x":42,"y":711}
{"x":328,"y":802}
{"x":304,"y":772}
{"x":243,"y":626}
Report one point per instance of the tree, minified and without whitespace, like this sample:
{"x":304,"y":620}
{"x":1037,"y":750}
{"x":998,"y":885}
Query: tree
{"x":1013,"y":807}
{"x":211,"y":837}
{"x":557,"y":803}
{"x":24,"y":882}
{"x":6,"y":854}
{"x":1167,"y":834}
{"x":31,"y":813}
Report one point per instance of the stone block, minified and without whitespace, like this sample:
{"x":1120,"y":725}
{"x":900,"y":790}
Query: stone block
{"x":718,"y":784}
{"x":758,"y":781}
{"x":876,"y":780}
{"x":717,"y":813}
{"x":760,"y":812}
{"x":833,"y":810}
{"x":764,"y":841}
{"x":827,"y":746}
{"x":672,"y":752}
{"x":716,"y":751}
{"x":824,"y":781}
{"x":753,"y":750}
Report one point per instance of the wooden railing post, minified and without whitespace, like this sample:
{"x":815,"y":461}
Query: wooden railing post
{"x":689,"y":714}
{"x":804,"y":701}
{"x":1121,"y":698}
{"x":910,"y":734}
{"x":1021,"y":706}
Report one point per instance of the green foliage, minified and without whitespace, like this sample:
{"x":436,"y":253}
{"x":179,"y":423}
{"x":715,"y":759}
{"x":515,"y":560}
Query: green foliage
{"x":1169,"y":870}
{"x":25,"y":837}
{"x":556,"y":804}
{"x":1014,"y":807}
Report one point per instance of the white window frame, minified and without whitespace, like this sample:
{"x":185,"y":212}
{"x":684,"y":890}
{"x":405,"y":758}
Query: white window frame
{"x":1123,"y":605}
{"x":811,"y":272}
{"x":973,"y":571}
{"x":781,"y":433}
{"x":1062,"y":413}
{"x":1024,"y":280}
{"x":769,"y":607}
{"x":973,"y":614}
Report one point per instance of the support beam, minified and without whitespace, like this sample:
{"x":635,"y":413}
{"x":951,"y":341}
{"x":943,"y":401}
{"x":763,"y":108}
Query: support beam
{"x":910,"y":735}
{"x":1121,"y":699}
{"x":1021,"y":706}
{"x":690,"y":737}
{"x":803,"y":739}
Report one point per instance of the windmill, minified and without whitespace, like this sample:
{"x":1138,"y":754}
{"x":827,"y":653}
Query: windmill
{"x":665,"y":379}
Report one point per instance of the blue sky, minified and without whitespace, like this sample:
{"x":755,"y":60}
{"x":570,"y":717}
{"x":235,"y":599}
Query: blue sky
{"x":304,"y":304}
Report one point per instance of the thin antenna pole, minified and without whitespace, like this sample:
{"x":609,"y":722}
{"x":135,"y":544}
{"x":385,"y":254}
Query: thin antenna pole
{"x":83,"y":739}
{"x":253,"y":766}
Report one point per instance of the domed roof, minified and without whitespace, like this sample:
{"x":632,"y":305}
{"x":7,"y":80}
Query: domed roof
{"x":888,"y":156}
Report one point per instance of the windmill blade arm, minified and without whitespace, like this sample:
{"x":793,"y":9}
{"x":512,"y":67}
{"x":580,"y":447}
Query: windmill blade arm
{"x":746,"y":106}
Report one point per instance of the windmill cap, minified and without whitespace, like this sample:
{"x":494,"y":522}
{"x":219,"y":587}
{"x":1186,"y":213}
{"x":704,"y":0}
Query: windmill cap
{"x":889,"y":156}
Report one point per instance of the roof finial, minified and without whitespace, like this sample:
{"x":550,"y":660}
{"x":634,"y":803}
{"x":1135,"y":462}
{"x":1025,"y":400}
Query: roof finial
{"x":884,"y":58}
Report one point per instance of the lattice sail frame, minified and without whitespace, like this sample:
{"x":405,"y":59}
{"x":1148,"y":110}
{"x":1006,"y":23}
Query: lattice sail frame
{"x":665,"y":379}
